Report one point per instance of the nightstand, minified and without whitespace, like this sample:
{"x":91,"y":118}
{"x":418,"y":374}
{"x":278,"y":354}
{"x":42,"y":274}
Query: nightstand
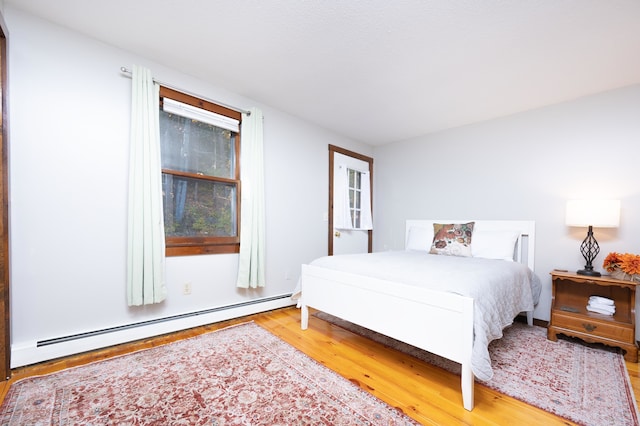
{"x":569,"y":315}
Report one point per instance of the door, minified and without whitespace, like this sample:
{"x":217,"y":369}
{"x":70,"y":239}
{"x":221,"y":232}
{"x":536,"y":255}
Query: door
{"x":350,"y":185}
{"x":5,"y":343}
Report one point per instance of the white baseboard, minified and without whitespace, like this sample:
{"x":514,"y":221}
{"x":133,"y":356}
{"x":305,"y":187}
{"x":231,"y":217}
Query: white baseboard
{"x":31,"y":353}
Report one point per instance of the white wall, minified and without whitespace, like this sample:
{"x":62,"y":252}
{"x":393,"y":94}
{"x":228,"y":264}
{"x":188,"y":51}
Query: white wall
{"x":69,"y":127}
{"x":523,"y":166}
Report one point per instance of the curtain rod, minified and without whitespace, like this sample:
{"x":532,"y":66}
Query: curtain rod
{"x":128,"y":72}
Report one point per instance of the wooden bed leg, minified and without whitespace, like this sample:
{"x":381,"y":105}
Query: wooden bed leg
{"x":304,"y":317}
{"x":467,"y":381}
{"x":530,"y":318}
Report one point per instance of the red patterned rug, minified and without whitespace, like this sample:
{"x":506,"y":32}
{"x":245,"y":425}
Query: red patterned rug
{"x":585,"y":384}
{"x":241,"y":375}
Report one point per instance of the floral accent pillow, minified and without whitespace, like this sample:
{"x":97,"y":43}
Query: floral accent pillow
{"x":452,"y":239}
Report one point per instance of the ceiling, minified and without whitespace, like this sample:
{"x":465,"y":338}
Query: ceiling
{"x":377,"y":71}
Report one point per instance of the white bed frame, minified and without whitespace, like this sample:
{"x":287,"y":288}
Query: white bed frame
{"x":438,"y":322}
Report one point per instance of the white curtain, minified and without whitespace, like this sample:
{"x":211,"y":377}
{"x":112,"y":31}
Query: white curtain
{"x":251,"y":265}
{"x":145,"y":254}
{"x":341,"y":207}
{"x":366,"y":221}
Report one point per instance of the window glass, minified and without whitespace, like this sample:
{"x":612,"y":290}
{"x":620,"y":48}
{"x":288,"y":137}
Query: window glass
{"x":192,"y":146}
{"x":198,"y":208}
{"x":355,"y":196}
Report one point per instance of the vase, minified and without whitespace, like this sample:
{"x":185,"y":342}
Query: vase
{"x":619,"y":274}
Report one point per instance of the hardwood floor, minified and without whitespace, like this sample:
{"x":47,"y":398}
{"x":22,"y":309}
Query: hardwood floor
{"x":426,"y":393}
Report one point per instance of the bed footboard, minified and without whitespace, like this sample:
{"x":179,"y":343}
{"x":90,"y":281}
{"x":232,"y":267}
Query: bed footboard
{"x":441,"y":323}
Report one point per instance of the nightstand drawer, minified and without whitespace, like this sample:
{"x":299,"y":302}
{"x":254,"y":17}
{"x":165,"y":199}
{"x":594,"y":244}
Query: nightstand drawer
{"x":594,"y":327}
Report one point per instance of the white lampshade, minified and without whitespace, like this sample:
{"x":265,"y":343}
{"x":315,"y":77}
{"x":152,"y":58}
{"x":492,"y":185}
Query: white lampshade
{"x":596,"y":213}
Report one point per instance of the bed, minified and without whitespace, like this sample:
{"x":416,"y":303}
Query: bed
{"x":441,"y":304}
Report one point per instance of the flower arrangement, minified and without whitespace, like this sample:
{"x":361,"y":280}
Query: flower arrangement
{"x":625,"y":266}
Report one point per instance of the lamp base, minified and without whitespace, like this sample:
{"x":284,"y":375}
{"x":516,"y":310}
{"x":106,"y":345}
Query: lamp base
{"x":588,"y":272}
{"x":589,"y":249}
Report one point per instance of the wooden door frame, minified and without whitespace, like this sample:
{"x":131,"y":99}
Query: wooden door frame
{"x":5,"y":326}
{"x":336,"y":149}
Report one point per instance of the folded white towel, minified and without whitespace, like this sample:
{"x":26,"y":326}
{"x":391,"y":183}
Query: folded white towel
{"x":600,"y":310}
{"x":602,"y":306}
{"x":600,"y":299}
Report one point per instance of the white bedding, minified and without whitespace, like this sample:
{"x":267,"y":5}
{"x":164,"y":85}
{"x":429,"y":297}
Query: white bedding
{"x":500,"y":289}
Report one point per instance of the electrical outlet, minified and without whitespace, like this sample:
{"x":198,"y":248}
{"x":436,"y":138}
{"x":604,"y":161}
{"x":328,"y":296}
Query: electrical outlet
{"x":186,"y":288}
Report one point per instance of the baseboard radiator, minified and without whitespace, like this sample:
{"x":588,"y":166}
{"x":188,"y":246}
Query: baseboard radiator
{"x":43,"y":350}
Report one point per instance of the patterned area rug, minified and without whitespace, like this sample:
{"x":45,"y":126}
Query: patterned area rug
{"x":242,"y":375}
{"x":584,"y":384}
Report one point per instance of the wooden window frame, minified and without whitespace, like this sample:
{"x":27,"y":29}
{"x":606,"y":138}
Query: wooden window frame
{"x":186,"y":246}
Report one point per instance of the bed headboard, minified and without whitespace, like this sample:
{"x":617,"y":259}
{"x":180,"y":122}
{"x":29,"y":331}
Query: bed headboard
{"x":525,"y":244}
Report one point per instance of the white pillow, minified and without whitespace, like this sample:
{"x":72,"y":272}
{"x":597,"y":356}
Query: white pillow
{"x":494,"y":244}
{"x":419,"y":238}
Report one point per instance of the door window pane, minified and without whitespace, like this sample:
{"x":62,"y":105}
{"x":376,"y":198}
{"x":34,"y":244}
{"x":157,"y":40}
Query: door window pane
{"x":355,"y":196}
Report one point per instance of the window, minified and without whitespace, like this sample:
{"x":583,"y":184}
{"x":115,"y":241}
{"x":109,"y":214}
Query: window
{"x":355,"y":197}
{"x":200,"y":149}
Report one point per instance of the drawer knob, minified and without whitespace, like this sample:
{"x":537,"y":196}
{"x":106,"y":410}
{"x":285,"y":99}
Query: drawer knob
{"x":589,"y":327}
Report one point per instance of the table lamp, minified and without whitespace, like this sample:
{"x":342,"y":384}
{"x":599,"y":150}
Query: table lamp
{"x":592,"y":213}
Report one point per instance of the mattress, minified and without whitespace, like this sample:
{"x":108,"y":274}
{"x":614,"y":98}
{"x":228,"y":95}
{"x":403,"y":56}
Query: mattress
{"x":500,"y":289}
